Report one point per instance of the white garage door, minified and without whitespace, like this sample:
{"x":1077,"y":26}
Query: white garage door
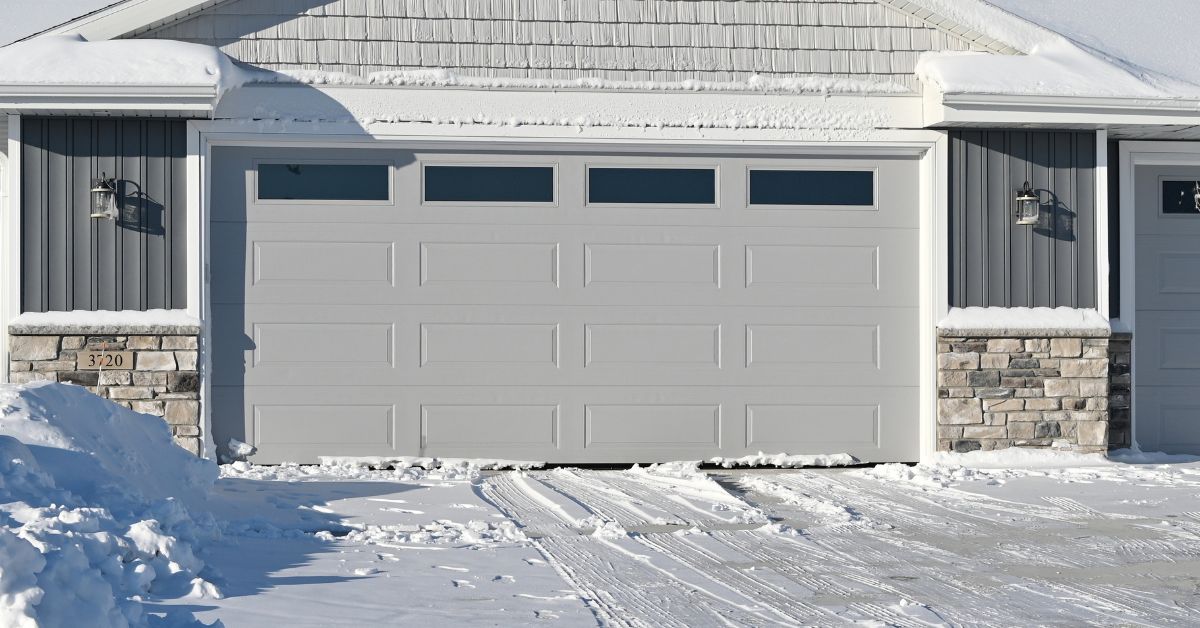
{"x":1167,"y":338}
{"x":567,"y":307}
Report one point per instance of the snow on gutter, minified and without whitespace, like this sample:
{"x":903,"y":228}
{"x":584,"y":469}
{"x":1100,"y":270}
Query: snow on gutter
{"x":70,"y":73}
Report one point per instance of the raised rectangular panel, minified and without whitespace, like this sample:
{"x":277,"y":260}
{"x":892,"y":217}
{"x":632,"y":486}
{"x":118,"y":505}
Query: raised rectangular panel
{"x":652,"y":425}
{"x":653,"y":264}
{"x":1180,"y":425}
{"x":1179,"y":273}
{"x":322,"y":262}
{"x":481,"y":262}
{"x":787,"y":427}
{"x":768,"y":345}
{"x":784,"y":265}
{"x":332,"y":425}
{"x":357,"y":344}
{"x":489,"y":343}
{"x":1180,"y":348}
{"x":489,"y":425}
{"x":675,"y":345}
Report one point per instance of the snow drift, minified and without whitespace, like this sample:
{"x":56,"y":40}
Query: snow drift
{"x":93,"y":511}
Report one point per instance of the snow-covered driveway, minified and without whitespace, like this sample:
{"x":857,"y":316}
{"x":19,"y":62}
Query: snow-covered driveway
{"x":670,"y":546}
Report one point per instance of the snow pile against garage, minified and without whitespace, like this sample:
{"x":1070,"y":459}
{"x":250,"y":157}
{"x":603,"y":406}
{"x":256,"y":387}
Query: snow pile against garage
{"x":73,"y":60}
{"x":94,"y":511}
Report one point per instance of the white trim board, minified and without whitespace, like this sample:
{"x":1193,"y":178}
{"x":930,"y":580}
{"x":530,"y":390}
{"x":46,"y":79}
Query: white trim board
{"x":10,"y":242}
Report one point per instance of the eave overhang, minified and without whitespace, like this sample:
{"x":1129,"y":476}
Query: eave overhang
{"x":171,"y":101}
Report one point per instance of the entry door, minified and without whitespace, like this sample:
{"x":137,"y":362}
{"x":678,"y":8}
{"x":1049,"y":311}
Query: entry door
{"x":569,"y":307}
{"x":1167,"y":334}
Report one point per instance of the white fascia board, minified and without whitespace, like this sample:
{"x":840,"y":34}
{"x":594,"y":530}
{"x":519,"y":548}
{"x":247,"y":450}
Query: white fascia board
{"x":126,"y":17}
{"x":180,"y":100}
{"x":998,"y":110}
{"x":502,"y":113}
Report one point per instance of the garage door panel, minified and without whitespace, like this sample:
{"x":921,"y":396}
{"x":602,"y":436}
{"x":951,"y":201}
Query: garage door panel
{"x":572,"y":424}
{"x":1169,"y":348}
{"x":529,"y":345}
{"x":1168,"y":419}
{"x":543,"y":265}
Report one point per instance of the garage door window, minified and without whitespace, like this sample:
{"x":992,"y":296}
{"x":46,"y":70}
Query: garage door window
{"x":1181,"y":197}
{"x":839,"y":188}
{"x":489,"y":184}
{"x":642,"y":186}
{"x":324,"y":182}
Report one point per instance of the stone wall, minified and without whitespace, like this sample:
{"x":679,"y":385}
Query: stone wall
{"x":1120,"y":401}
{"x":999,"y":389}
{"x":163,"y":379}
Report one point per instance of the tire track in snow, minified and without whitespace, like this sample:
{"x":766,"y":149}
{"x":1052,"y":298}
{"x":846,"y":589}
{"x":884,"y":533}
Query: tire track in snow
{"x":622,"y":589}
{"x":512,"y":495}
{"x":771,"y":598}
{"x":633,"y":592}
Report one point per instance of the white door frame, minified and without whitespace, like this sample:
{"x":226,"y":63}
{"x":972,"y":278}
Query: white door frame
{"x":10,"y":238}
{"x":930,"y":146}
{"x":1132,"y":154}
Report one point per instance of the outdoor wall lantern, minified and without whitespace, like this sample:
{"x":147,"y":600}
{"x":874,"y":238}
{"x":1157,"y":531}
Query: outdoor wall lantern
{"x":104,"y":198}
{"x":1029,"y":206}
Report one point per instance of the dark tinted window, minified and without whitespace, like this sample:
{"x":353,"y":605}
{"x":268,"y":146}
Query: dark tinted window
{"x":812,"y":187}
{"x":324,"y":182}
{"x":1181,"y":197}
{"x":691,"y":186}
{"x":497,"y":184}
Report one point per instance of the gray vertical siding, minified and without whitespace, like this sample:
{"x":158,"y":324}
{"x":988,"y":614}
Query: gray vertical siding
{"x":995,"y":262}
{"x":72,"y":262}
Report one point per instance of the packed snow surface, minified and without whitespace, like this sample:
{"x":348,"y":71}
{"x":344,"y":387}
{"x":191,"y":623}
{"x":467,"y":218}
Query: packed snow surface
{"x":73,"y":60}
{"x":1023,"y":318}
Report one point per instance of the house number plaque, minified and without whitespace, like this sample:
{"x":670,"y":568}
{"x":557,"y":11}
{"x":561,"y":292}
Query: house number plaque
{"x":105,"y":360}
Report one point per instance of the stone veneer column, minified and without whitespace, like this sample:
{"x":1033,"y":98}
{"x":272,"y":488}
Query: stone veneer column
{"x":1025,"y":388}
{"x":164,"y":380}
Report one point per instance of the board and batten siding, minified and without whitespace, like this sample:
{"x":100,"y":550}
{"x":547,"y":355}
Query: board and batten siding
{"x":70,"y":261}
{"x":629,"y":40}
{"x":996,"y":262}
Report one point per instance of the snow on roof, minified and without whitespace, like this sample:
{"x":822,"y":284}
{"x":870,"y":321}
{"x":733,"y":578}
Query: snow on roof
{"x":73,"y":60}
{"x":23,"y":18}
{"x":1153,"y":36}
{"x":1073,"y":49}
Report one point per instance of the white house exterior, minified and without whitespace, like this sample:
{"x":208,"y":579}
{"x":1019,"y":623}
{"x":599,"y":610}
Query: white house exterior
{"x":603,"y":231}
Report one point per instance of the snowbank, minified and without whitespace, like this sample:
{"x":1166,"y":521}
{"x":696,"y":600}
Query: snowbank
{"x":991,"y":319}
{"x":124,"y":321}
{"x":786,"y":461}
{"x":93,"y":510}
{"x":73,"y":60}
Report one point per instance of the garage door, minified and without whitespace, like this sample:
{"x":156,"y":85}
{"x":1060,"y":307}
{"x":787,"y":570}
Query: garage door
{"x":1167,"y":338}
{"x":567,"y":307}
